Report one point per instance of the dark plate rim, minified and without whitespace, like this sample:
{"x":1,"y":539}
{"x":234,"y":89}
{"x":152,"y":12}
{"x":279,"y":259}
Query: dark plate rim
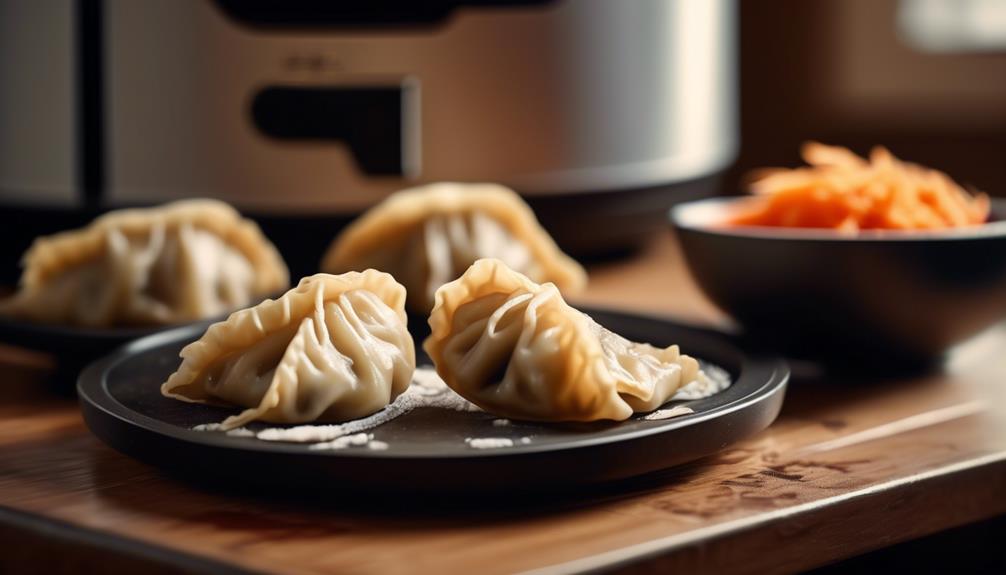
{"x":91,"y":388}
{"x":681,"y":218}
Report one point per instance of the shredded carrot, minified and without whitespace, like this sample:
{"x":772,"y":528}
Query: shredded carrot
{"x":840,"y":190}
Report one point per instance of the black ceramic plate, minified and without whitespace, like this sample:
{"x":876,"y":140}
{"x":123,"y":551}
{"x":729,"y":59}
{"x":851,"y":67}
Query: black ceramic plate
{"x":122,"y":405}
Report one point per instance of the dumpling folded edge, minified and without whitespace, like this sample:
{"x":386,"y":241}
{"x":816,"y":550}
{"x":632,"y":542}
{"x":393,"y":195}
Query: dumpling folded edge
{"x":405,"y":209}
{"x":49,"y":255}
{"x":624,"y":396}
{"x":488,"y":276}
{"x":246,"y":327}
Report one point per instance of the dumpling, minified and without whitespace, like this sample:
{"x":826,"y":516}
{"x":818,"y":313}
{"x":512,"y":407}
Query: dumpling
{"x":428,"y":236}
{"x":180,"y":262}
{"x":334,"y":348}
{"x":516,"y":349}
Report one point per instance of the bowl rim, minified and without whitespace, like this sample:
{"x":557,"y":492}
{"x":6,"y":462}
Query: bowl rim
{"x":700,"y":215}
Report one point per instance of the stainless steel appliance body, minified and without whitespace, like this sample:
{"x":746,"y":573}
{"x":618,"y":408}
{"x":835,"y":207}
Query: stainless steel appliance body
{"x":309,"y":109}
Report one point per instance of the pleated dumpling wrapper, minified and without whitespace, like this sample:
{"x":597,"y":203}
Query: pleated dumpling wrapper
{"x":334,"y":348}
{"x":183,"y":261}
{"x":428,"y":236}
{"x":516,"y":349}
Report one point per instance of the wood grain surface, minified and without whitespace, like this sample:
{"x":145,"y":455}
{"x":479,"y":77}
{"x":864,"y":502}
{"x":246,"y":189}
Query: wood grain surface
{"x":852,"y":464}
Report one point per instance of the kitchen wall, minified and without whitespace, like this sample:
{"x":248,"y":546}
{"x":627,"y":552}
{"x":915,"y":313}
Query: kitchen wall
{"x":842,"y":72}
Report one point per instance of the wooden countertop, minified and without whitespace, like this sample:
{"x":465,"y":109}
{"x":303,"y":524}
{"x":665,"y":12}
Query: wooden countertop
{"x":848,"y":467}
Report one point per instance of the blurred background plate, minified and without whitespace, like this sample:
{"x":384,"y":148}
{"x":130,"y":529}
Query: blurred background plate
{"x":74,"y":347}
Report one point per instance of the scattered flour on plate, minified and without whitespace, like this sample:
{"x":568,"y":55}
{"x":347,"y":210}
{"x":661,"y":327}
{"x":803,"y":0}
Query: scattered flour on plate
{"x":355,"y":440}
{"x":711,"y":381}
{"x":488,"y":442}
{"x":426,"y":390}
{"x":241,"y":432}
{"x":236,"y":432}
{"x":668,"y":413}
